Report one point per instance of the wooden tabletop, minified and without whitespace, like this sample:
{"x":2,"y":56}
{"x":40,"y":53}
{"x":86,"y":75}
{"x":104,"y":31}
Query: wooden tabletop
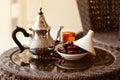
{"x":10,"y":70}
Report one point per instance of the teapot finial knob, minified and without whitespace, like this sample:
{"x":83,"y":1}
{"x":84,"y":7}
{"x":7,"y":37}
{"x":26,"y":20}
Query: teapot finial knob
{"x":40,"y":13}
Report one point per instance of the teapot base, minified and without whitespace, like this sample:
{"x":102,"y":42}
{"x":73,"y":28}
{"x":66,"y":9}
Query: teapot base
{"x":41,"y":51}
{"x":37,"y":53}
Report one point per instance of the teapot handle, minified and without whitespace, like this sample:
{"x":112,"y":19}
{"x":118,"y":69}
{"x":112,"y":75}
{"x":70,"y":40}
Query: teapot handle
{"x":18,"y":29}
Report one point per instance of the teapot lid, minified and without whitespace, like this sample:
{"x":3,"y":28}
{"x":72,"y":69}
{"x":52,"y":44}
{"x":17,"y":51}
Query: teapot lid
{"x":40,"y":23}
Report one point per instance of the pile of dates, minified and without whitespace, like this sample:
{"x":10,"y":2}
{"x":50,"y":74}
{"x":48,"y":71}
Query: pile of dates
{"x":70,"y":48}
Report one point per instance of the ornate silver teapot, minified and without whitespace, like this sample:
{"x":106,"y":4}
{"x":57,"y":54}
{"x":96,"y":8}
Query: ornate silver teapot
{"x":41,"y":42}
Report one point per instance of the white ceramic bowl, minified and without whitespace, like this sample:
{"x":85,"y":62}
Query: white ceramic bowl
{"x":72,"y":56}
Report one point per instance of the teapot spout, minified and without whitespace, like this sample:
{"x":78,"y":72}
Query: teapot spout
{"x":58,"y":38}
